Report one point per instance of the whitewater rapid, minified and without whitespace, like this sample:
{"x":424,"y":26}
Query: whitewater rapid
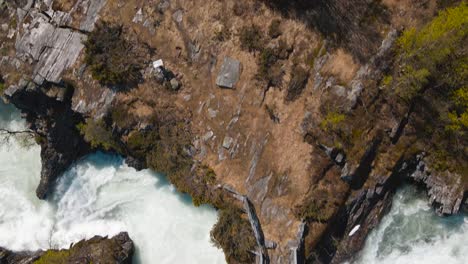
{"x":100,"y":195}
{"x":412,"y":233}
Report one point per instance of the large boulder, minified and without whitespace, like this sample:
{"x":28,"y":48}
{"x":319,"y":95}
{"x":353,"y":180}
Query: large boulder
{"x":229,"y":73}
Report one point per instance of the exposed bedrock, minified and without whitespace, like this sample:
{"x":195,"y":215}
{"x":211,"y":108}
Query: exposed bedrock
{"x":366,"y":206}
{"x":55,"y":125}
{"x":49,"y":44}
{"x":118,"y":249}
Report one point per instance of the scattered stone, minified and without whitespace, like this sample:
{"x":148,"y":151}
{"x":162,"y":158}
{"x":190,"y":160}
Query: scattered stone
{"x":159,"y":76}
{"x":138,"y":17}
{"x":227,"y":142}
{"x":339,"y":158}
{"x":163,"y":6}
{"x":175,"y":84}
{"x":92,"y":14}
{"x":178,"y":16}
{"x":270,"y":244}
{"x":158,"y":64}
{"x":221,"y":154}
{"x":208,"y":136}
{"x":212,"y":113}
{"x":229,"y":73}
{"x":194,"y":50}
{"x":339,"y":90}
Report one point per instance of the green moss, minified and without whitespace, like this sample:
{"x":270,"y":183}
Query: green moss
{"x":122,"y":116}
{"x":387,"y":80}
{"x":233,"y":233}
{"x":311,"y":211}
{"x":319,"y":205}
{"x":458,"y":117}
{"x":98,"y":135}
{"x":54,"y":257}
{"x":332,"y":120}
{"x":164,"y":148}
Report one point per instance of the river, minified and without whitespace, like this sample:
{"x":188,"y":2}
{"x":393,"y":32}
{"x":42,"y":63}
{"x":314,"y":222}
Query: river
{"x":412,"y":233}
{"x":99,"y":195}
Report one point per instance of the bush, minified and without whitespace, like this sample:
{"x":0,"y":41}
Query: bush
{"x":222,"y":35}
{"x":435,"y":53}
{"x":98,"y":135}
{"x":274,"y":30}
{"x":234,"y":235}
{"x":110,"y":57}
{"x":165,"y":148}
{"x":433,"y":61}
{"x":267,"y":59}
{"x":299,"y":79}
{"x":269,"y":69}
{"x":331,"y":121}
{"x":458,"y":117}
{"x":251,"y":38}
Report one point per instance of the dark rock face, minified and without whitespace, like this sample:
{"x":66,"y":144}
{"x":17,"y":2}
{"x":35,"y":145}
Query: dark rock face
{"x":9,"y":257}
{"x":365,"y":209}
{"x":118,"y":250}
{"x":55,"y":124}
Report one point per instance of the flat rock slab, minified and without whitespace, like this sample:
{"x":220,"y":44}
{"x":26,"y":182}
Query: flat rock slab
{"x":51,"y":47}
{"x":229,"y":74}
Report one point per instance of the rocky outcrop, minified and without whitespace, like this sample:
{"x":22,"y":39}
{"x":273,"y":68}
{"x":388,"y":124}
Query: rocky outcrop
{"x":55,"y":124}
{"x":118,"y":249}
{"x":49,"y":41}
{"x":371,"y":70}
{"x":50,"y":45}
{"x":9,"y":257}
{"x":364,"y":210}
{"x":54,"y":49}
{"x":444,"y":189}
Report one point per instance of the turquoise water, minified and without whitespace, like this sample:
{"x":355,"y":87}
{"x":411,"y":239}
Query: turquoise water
{"x":413,"y":233}
{"x":99,"y":195}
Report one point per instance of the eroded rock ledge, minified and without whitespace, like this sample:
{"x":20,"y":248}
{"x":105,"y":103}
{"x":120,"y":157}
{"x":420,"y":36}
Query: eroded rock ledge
{"x":118,"y":249}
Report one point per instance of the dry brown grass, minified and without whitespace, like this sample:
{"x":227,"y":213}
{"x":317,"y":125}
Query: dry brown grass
{"x":342,"y":65}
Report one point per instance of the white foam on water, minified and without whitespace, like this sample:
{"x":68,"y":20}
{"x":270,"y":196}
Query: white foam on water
{"x":412,"y":233}
{"x":100,"y":195}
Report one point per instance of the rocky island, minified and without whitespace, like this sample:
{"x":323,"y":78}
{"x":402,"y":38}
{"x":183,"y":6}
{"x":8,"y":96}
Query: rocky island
{"x":297,"y":120}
